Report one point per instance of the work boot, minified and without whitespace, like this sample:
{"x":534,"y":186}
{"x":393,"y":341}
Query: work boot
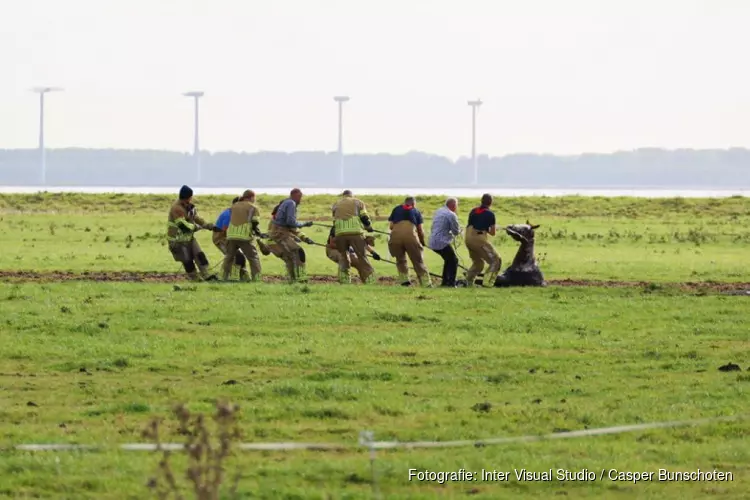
{"x":404,"y":279}
{"x":450,"y":281}
{"x":244,"y":276}
{"x":206,"y":276}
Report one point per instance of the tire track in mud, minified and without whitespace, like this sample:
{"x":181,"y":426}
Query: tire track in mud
{"x":739,"y":288}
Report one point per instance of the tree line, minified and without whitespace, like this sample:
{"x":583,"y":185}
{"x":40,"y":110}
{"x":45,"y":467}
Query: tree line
{"x":641,"y":168}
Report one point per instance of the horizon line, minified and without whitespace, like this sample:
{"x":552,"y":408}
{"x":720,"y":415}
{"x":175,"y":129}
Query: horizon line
{"x":384,"y":153}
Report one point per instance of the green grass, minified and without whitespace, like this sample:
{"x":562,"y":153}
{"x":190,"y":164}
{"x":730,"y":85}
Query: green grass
{"x":585,"y":238}
{"x":91,"y":363}
{"x":407,"y":364}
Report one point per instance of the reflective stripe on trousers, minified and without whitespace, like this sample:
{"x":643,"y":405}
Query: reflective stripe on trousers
{"x":347,"y":226}
{"x":241,"y":232}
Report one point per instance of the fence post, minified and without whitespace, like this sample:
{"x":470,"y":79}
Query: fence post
{"x":367,"y":438}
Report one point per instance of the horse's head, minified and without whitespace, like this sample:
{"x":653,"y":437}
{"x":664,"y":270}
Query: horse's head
{"x":522,"y":232}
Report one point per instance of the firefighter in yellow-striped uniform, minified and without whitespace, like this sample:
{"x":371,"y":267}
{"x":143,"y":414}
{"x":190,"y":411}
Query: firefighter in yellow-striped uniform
{"x":335,"y":256}
{"x":349,"y":217}
{"x":220,"y":241}
{"x":244,"y":220}
{"x":182,"y":223}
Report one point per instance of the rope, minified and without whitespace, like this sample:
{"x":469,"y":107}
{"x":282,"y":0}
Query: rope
{"x":369,"y":443}
{"x":394,"y":263}
{"x":373,"y":230}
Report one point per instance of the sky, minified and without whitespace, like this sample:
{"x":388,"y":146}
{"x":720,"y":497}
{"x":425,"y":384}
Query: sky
{"x":560,"y":77}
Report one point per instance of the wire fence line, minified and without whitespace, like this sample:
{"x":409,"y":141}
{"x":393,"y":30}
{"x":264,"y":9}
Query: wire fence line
{"x":366,"y":440}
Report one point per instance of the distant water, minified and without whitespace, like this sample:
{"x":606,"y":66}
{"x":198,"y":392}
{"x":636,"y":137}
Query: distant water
{"x":459,"y":192}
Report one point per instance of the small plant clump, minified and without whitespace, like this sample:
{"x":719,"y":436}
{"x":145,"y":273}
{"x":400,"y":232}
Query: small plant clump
{"x":205,"y":453}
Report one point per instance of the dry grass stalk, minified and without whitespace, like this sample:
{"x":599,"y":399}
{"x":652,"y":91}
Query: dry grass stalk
{"x":206,"y":456}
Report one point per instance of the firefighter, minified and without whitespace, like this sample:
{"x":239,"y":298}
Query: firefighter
{"x":285,"y":231}
{"x":244,"y":221}
{"x":220,"y":240}
{"x":182,"y":223}
{"x":334,"y":255}
{"x":407,"y":238}
{"x":480,"y":226}
{"x":349,"y":217}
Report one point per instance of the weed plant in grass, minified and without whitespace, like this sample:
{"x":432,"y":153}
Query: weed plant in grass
{"x":585,"y":238}
{"x":93,"y":362}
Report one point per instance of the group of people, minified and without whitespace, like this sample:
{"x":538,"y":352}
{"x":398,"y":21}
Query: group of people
{"x":237,"y":230}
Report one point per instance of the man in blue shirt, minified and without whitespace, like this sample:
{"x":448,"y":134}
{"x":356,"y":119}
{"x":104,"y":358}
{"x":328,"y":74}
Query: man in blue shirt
{"x":445,"y":227}
{"x":407,"y":238}
{"x":285,"y":231}
{"x":480,"y":227}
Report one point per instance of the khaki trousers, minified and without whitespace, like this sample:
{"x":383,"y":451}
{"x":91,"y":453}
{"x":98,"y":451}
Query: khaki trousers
{"x":402,"y":246}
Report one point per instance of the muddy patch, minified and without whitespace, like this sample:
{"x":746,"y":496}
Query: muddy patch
{"x":164,"y":277}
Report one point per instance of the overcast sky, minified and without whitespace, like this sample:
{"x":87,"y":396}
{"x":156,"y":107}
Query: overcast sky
{"x":555,"y":76}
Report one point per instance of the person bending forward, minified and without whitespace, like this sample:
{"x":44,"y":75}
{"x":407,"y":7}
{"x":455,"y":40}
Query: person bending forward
{"x":349,"y":217}
{"x":481,"y":226}
{"x":285,"y":232}
{"x":407,"y":238}
{"x":243,"y":225}
{"x":445,"y":227}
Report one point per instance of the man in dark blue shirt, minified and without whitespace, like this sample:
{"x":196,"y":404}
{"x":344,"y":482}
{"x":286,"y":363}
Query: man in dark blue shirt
{"x":480,"y":227}
{"x":407,"y":238}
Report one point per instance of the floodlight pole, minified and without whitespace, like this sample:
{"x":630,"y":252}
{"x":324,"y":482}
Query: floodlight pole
{"x":474,"y":105}
{"x":196,"y":141}
{"x":341,"y":100}
{"x":42,"y":152}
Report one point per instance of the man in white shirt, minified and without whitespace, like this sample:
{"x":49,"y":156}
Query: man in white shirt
{"x":445,"y":227}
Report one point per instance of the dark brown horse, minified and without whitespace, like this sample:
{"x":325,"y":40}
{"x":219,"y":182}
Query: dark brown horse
{"x":524,"y":271}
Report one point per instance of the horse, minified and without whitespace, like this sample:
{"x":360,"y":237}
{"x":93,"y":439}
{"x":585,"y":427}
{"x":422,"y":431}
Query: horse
{"x":524,"y":270}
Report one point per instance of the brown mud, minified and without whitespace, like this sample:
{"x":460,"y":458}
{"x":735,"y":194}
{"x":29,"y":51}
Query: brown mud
{"x":165,"y":277}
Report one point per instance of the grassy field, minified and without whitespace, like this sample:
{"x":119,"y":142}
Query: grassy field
{"x":584,"y":238}
{"x":92,"y":363}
